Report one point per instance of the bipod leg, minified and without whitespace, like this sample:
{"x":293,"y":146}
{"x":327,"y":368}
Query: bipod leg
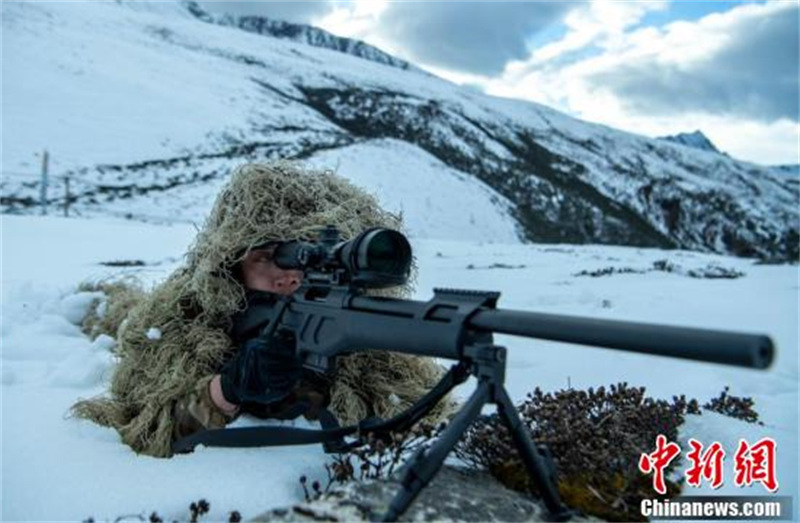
{"x":543,"y":478}
{"x":425,"y":464}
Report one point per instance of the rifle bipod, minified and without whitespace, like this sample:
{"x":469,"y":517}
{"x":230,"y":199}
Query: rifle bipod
{"x":486,"y":362}
{"x":489,"y":362}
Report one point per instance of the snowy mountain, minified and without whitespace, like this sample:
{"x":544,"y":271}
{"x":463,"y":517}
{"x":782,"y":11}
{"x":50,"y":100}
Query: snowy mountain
{"x":300,"y":33}
{"x":146,"y":108}
{"x":697,"y":139}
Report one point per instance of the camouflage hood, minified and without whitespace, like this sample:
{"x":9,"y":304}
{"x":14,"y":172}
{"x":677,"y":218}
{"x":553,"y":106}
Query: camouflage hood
{"x":178,"y":333}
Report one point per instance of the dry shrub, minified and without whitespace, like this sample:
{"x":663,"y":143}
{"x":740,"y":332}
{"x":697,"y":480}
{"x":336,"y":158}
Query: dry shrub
{"x":596,"y":438}
{"x":734,"y":406}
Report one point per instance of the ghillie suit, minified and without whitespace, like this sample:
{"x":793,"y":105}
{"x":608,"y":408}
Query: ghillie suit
{"x":107,"y":312}
{"x":177,"y":337}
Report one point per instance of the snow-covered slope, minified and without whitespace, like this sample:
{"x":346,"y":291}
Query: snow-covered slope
{"x":697,"y":140}
{"x":789,"y":171}
{"x":434,"y":199}
{"x":59,"y":469}
{"x":147,"y":108}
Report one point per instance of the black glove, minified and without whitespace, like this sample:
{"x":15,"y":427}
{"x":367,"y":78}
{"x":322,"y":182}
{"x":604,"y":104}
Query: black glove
{"x":263,"y":371}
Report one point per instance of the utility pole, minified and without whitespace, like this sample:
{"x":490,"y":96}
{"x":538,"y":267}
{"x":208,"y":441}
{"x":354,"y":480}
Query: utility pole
{"x":43,"y":193}
{"x":66,"y":196}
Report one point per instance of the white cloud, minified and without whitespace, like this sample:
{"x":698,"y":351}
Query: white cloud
{"x":772,"y":144}
{"x":359,"y":19}
{"x":602,"y":23}
{"x":476,"y":37}
{"x":356,"y":19}
{"x":730,"y":74}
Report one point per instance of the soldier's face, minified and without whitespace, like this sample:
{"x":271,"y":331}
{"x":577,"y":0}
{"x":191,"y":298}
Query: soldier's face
{"x":260,"y":273}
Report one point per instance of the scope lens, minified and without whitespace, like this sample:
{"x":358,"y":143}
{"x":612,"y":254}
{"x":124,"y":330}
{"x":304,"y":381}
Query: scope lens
{"x":380,"y":252}
{"x":387,"y":252}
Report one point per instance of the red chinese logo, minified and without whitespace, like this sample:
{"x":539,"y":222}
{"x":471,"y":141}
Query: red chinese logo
{"x":706,"y":464}
{"x":756,"y":463}
{"x":752,"y":463}
{"x":657,"y":461}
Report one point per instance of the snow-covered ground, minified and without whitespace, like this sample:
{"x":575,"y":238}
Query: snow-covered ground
{"x":145,"y":83}
{"x":58,"y":469}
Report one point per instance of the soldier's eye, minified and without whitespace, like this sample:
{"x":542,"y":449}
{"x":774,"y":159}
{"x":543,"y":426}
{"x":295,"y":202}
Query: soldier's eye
{"x":262,"y":254}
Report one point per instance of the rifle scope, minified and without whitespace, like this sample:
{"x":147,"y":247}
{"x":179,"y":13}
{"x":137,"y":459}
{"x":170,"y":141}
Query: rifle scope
{"x":375,"y":258}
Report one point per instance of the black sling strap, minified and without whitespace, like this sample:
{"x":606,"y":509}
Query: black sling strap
{"x":332,"y":435}
{"x":261,"y":437}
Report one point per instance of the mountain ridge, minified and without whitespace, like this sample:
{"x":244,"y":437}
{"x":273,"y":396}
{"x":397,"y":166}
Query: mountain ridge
{"x":251,"y":98}
{"x":301,"y":33}
{"x":695,"y":139}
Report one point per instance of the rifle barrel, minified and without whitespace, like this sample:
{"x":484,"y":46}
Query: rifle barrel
{"x":731,"y":348}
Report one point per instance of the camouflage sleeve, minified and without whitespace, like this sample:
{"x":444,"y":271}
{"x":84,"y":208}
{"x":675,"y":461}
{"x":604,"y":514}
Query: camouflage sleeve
{"x":196,"y":411}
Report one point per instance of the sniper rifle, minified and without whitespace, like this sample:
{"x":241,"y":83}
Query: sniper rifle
{"x":330,"y":315}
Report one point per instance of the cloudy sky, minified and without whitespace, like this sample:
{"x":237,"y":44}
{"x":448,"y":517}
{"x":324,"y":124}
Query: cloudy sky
{"x":653,"y":67}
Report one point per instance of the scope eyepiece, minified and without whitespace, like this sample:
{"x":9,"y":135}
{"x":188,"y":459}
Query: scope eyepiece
{"x":377,"y":257}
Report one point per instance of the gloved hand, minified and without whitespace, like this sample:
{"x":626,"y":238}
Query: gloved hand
{"x":263,"y":371}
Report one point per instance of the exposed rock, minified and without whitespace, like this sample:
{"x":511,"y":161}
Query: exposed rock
{"x":300,"y":33}
{"x":697,"y":139}
{"x":454,"y":495}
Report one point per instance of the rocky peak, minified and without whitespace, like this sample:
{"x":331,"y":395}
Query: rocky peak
{"x":697,"y":139}
{"x":300,"y":33}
